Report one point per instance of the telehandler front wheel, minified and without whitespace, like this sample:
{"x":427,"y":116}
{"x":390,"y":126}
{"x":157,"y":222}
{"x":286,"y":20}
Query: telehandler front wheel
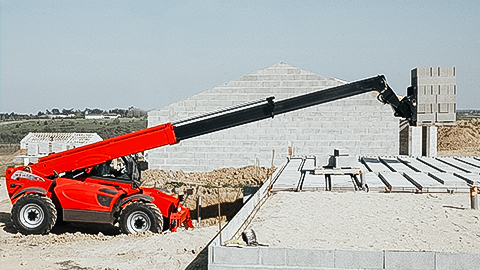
{"x":34,"y":214}
{"x":140,"y":217}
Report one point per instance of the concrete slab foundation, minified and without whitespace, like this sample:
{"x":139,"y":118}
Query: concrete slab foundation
{"x":223,"y":257}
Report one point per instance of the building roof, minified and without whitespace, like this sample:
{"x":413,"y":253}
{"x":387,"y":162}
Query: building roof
{"x":281,"y":80}
{"x":73,"y":138}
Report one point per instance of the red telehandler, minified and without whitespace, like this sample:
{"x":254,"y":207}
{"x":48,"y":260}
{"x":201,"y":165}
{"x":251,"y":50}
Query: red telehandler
{"x":83,"y":185}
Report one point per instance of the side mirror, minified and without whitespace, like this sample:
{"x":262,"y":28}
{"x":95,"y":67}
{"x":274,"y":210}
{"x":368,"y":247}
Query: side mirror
{"x":142,"y":165}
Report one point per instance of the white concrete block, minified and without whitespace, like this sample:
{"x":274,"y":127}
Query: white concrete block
{"x":431,"y":141}
{"x":409,"y":260}
{"x":359,"y":259}
{"x":415,"y":141}
{"x":309,"y":258}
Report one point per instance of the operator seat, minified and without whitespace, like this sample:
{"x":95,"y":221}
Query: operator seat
{"x":102,"y":170}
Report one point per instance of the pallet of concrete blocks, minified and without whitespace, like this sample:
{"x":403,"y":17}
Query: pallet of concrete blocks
{"x":341,"y":159}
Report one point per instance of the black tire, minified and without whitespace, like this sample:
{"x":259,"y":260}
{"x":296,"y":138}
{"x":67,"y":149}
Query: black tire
{"x":34,"y":214}
{"x":139,"y":217}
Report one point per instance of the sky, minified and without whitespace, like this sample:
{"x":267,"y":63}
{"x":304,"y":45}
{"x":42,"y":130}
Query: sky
{"x":148,"y":54}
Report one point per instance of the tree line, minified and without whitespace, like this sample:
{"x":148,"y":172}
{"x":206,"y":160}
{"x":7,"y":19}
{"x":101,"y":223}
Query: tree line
{"x":14,"y":131}
{"x":72,"y":113}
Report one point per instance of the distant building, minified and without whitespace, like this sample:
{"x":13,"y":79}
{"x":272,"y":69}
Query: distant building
{"x":60,"y":115}
{"x":42,"y":144}
{"x":102,"y":116}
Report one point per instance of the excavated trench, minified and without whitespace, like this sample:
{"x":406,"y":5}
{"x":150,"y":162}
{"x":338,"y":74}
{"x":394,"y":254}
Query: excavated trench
{"x":222,"y":186}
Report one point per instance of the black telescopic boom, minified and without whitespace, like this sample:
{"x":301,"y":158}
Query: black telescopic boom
{"x":224,"y":119}
{"x":259,"y":110}
{"x":330,"y":94}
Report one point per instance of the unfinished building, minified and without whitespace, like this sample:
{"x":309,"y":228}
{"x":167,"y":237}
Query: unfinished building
{"x":357,"y":125}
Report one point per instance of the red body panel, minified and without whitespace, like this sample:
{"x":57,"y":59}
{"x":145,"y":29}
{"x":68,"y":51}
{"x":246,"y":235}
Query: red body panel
{"x":166,"y":203}
{"x":182,"y":216}
{"x":21,"y":182}
{"x":83,"y":195}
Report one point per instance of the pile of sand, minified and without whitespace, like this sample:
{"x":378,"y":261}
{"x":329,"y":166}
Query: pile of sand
{"x":463,"y":139}
{"x":226,"y":177}
{"x":222,"y":186}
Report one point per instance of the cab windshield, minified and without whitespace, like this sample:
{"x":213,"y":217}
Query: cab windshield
{"x":124,"y":168}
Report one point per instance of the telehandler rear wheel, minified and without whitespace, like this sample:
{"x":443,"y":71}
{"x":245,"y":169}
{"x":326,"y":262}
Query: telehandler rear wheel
{"x":140,"y":217}
{"x":34,"y":214}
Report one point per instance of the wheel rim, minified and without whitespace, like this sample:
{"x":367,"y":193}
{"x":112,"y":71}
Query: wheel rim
{"x":138,"y":221}
{"x":32,"y":215}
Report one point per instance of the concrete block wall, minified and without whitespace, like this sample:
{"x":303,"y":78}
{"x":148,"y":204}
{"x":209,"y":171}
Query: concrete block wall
{"x":359,"y":125}
{"x":58,"y":147}
{"x":221,"y":257}
{"x":418,"y":141}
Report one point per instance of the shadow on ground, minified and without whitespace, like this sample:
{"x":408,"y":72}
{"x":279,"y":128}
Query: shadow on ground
{"x":201,"y":261}
{"x":6,"y":223}
{"x":228,"y":209}
{"x":63,"y":227}
{"x":85,"y":228}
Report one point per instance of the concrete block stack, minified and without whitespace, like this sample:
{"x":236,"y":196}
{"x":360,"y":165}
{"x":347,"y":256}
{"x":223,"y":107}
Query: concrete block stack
{"x":436,"y":95}
{"x":359,"y":124}
{"x":436,"y":92}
